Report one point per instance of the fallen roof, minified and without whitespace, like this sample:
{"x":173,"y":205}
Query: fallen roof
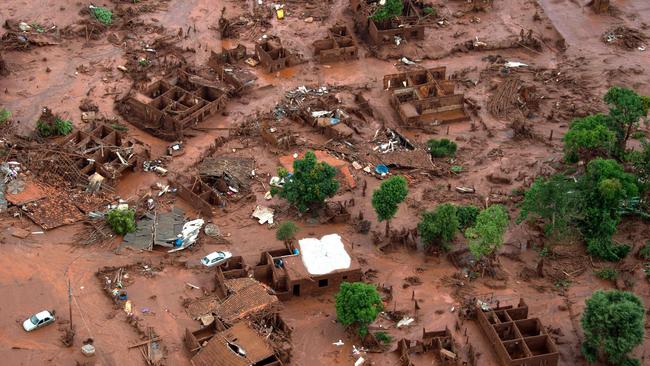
{"x":221,"y":350}
{"x":325,"y":255}
{"x":247,"y":296}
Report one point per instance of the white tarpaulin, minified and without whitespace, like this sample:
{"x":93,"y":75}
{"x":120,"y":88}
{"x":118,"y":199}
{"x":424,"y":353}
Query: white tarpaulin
{"x":325,"y":255}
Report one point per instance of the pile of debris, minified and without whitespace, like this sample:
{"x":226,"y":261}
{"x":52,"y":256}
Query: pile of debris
{"x":512,"y":99}
{"x":22,"y":36}
{"x":625,"y":37}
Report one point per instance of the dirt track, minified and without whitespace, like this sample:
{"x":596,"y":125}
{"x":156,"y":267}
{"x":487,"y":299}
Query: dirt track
{"x":34,"y":271}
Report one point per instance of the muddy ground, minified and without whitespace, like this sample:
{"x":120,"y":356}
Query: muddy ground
{"x":579,"y":68}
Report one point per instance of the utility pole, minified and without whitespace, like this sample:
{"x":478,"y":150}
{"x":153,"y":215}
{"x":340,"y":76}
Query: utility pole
{"x":70,"y":302}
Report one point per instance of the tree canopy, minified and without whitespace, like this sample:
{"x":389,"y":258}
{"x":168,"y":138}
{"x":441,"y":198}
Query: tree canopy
{"x":388,"y":196}
{"x":486,"y":236}
{"x":613,"y":326}
{"x":625,"y":111}
{"x":311,"y":183}
{"x":439,"y":226}
{"x":589,"y":137}
{"x":357,"y":304}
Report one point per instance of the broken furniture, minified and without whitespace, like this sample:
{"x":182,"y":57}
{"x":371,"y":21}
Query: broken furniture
{"x":170,"y":106}
{"x":516,"y":338}
{"x":409,"y":26}
{"x":339,"y":45}
{"x":273,"y":56}
{"x":424,"y":98}
{"x":318,"y":265}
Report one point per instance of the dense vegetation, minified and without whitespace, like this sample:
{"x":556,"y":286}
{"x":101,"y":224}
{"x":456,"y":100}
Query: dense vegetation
{"x":386,"y":198}
{"x":357,"y":304}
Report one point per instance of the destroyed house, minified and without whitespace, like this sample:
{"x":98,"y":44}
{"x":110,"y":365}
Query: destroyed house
{"x":197,"y":193}
{"x":409,"y":26}
{"x":227,"y":173}
{"x":236,"y":346}
{"x":338,"y":46}
{"x":441,"y":343}
{"x":102,"y":150}
{"x":517,"y":339}
{"x":315,"y":267}
{"x":168,"y":107}
{"x":273,"y":56}
{"x":224,"y":64}
{"x":424,"y":98}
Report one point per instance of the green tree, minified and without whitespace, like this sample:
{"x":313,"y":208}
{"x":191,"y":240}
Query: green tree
{"x":613,"y":326}
{"x":439,"y":226}
{"x":386,"y":199}
{"x":625,"y":111}
{"x":604,"y":187}
{"x":442,"y":148}
{"x":311,"y":183}
{"x":392,"y":8}
{"x":466,"y":216}
{"x":589,"y":137}
{"x":286,"y":231}
{"x":122,"y":221}
{"x":102,"y":14}
{"x":554,"y":200}
{"x":357,"y":304}
{"x":486,"y":236}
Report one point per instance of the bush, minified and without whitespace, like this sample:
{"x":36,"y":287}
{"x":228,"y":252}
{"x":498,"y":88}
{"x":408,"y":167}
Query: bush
{"x":102,"y":14}
{"x":60,"y":127}
{"x":286,"y":231}
{"x":392,"y":8}
{"x":5,"y":115}
{"x":487,"y":235}
{"x":442,"y":148}
{"x":466,"y":216}
{"x":589,"y":137}
{"x":644,"y":252}
{"x":431,"y":11}
{"x":122,"y":221}
{"x":311,"y":183}
{"x":439,"y":226}
{"x":357,"y":304}
{"x":613,"y":327}
{"x":383,"y":337}
{"x":609,"y":274}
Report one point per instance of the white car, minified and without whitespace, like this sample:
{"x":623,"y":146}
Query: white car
{"x":38,"y":320}
{"x":215,"y":258}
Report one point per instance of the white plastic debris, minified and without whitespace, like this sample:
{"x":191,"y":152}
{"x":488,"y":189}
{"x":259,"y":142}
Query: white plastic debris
{"x":24,"y":26}
{"x":359,"y":361}
{"x":263,"y":214}
{"x":406,"y":321}
{"x":514,"y":64}
{"x":339,"y":343}
{"x":407,"y":61}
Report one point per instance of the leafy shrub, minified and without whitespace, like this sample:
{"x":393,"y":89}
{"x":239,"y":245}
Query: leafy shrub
{"x":466,"y":216}
{"x":383,"y":337}
{"x":286,"y":231}
{"x":442,"y":148}
{"x":439,"y":226}
{"x":431,"y":11}
{"x":644,"y":252}
{"x":613,"y":327}
{"x":5,"y":115}
{"x":122,"y":221}
{"x":392,"y":8}
{"x":60,"y":127}
{"x":102,"y":14}
{"x":607,"y":273}
{"x":456,"y":169}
